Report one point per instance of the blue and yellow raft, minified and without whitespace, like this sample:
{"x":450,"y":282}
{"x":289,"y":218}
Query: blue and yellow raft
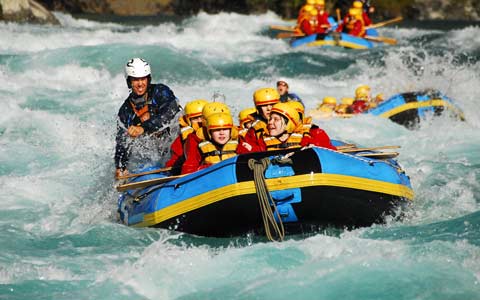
{"x":311,"y":188}
{"x":408,"y":109}
{"x":338,"y":39}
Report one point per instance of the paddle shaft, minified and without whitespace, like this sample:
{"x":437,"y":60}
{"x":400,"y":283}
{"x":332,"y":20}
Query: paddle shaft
{"x":144,"y":173}
{"x":380,"y":24}
{"x":366,"y":149}
{"x":381,"y":39}
{"x":379,"y":155}
{"x":146,"y":183}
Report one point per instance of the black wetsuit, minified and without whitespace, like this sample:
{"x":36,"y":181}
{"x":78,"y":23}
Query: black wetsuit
{"x":162,"y":106}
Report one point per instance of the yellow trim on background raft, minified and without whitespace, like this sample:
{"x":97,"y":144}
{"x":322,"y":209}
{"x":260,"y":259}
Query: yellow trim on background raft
{"x":299,"y":181}
{"x":413,"y":105}
{"x":337,"y":43}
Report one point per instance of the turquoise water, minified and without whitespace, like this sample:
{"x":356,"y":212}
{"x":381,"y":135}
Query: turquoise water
{"x":62,"y":87}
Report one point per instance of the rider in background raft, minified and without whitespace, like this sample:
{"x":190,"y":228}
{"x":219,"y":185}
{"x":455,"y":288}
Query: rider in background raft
{"x":363,"y":99}
{"x":189,"y":123}
{"x":353,"y":23}
{"x":322,"y":17}
{"x":148,"y":109}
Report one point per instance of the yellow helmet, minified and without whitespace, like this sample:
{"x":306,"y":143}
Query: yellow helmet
{"x":214,"y":107}
{"x":311,"y":2}
{"x":329,"y":100}
{"x":288,"y":112}
{"x":356,"y":12}
{"x":266,"y":96}
{"x":194,"y":108}
{"x":298,"y":106}
{"x":306,"y":8}
{"x":313,"y":12}
{"x":347,"y":101}
{"x":219,"y":121}
{"x":246,"y":115}
{"x":320,"y":2}
{"x":362,"y":92}
{"x":357,"y":4}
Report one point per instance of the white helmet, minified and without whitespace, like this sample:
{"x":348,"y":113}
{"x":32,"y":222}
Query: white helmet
{"x":137,"y":68}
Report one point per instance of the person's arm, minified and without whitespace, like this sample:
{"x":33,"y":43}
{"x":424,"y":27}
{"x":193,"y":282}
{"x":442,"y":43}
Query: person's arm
{"x":250,"y":143}
{"x":176,"y":153}
{"x":317,"y":137}
{"x":122,"y":147}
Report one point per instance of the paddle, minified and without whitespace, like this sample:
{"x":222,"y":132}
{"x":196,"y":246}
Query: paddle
{"x":145,"y":183}
{"x":286,"y":35}
{"x":351,"y":149}
{"x":379,"y":155}
{"x":283,"y":28}
{"x":347,"y":146}
{"x":381,"y":39}
{"x":380,"y":24}
{"x":144,"y":173}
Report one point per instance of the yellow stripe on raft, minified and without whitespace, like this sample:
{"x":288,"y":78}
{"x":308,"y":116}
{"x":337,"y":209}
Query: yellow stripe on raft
{"x":414,"y":105}
{"x":339,"y":43}
{"x":299,"y":181}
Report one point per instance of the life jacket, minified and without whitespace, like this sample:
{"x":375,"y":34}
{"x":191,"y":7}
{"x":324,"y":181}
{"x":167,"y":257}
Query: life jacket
{"x":293,"y":141}
{"x":185,"y":129}
{"x":242,"y":132}
{"x":260,"y":127}
{"x":212,"y":155}
{"x":351,"y":27}
{"x":143,"y":113}
{"x":305,"y":127}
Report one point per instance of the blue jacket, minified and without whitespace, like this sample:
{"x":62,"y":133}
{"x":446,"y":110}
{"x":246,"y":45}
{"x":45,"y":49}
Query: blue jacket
{"x":290,"y":97}
{"x":162,"y":106}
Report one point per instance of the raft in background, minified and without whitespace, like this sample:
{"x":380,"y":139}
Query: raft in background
{"x":338,"y":39}
{"x":313,"y":187}
{"x":407,"y":109}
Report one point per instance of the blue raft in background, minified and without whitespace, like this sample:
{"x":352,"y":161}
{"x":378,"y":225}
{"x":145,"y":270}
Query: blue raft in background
{"x":408,"y":109}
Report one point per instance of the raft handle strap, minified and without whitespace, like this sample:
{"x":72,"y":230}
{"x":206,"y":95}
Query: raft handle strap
{"x":265,"y":200}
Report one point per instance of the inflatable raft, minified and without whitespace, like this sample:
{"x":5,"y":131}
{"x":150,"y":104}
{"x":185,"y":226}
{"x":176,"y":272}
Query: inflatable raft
{"x":309,"y":188}
{"x":408,"y":109}
{"x":336,"y":39}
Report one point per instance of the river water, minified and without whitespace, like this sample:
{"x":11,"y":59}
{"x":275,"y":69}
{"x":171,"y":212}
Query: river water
{"x":62,"y":87}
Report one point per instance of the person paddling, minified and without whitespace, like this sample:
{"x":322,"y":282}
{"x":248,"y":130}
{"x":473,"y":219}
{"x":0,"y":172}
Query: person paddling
{"x":148,"y":109}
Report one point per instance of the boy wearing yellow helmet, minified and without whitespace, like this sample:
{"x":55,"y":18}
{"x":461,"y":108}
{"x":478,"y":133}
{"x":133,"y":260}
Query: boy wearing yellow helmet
{"x":214,"y":143}
{"x":246,"y":118}
{"x":189,"y":123}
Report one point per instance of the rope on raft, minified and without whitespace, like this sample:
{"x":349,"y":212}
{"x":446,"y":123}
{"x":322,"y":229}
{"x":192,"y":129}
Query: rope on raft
{"x":265,"y":200}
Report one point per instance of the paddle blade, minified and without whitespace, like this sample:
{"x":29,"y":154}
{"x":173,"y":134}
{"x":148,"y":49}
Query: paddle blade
{"x":381,"y":39}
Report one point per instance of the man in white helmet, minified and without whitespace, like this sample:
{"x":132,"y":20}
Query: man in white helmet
{"x":149,"y":108}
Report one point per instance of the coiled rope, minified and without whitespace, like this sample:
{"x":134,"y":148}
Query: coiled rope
{"x":265,"y":200}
